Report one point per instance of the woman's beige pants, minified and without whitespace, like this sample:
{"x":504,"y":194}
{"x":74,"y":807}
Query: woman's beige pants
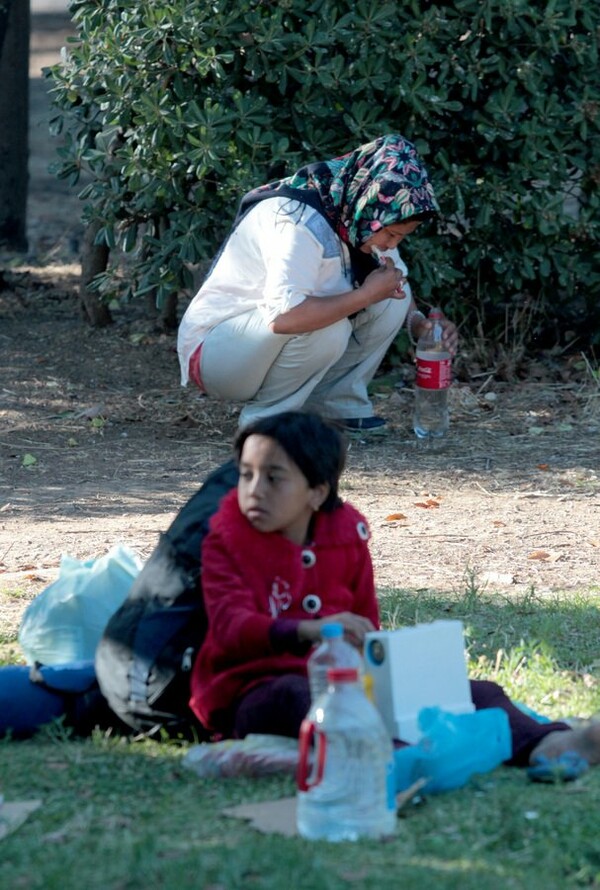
{"x":326,"y":370}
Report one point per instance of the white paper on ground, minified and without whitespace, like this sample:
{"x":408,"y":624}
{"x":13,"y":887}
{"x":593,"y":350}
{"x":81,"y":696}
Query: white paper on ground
{"x":12,"y":815}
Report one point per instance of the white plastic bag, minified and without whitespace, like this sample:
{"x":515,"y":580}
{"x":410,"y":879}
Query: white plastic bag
{"x":65,"y":622}
{"x":256,"y":755}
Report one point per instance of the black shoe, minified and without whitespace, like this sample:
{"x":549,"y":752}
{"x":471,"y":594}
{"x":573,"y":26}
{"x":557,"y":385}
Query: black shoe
{"x":364,"y":424}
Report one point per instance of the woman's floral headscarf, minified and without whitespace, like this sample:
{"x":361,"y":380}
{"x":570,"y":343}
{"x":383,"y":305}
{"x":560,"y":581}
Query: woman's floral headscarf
{"x":379,"y":184}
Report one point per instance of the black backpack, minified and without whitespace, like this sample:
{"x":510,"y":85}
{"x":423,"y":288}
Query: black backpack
{"x":147,"y":651}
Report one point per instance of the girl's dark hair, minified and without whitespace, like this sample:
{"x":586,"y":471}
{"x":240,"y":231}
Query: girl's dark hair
{"x":315,"y":445}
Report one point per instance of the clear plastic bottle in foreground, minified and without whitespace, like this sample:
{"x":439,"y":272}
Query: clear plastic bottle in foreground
{"x":350,"y":791}
{"x":332,"y":652}
{"x":434,"y":375}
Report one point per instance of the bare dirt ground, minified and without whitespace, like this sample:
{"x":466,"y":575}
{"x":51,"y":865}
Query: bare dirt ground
{"x":99,"y":444}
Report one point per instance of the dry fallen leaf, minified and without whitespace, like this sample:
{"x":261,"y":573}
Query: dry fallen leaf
{"x":92,"y":411}
{"x":393,"y":516}
{"x":427,"y":504}
{"x":544,"y":555}
{"x":543,"y":467}
{"x":498,"y":523}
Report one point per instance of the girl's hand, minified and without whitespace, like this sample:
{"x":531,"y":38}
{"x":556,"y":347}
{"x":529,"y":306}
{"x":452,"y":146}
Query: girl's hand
{"x":355,"y":628}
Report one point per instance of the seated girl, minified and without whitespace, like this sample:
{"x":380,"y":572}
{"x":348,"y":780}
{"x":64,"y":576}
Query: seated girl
{"x":284,"y":555}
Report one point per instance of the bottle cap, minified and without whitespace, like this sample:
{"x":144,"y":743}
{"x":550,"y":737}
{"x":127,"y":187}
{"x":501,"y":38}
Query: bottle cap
{"x":331,"y":630}
{"x":342,"y":675}
{"x":435,"y":313}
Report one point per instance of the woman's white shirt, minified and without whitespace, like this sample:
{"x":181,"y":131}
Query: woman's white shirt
{"x":280,"y":253}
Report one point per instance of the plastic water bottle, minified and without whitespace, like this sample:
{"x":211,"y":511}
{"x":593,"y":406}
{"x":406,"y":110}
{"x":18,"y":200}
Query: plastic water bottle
{"x":350,"y":791}
{"x":434,"y":375}
{"x":332,"y":652}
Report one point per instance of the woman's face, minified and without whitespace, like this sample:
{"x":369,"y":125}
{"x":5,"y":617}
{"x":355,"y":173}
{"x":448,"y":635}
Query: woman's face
{"x":273,"y":494}
{"x":390,"y":236}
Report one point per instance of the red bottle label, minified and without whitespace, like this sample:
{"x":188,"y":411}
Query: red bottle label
{"x":434,"y":374}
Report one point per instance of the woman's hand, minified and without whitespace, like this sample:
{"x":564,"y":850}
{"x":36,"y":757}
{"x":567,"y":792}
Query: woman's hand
{"x":449,"y":332}
{"x":355,"y":628}
{"x":449,"y":335}
{"x":314,"y":313}
{"x":386,"y":282}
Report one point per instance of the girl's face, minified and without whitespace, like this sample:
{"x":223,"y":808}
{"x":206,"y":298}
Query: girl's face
{"x":273,"y":493}
{"x":390,"y":236}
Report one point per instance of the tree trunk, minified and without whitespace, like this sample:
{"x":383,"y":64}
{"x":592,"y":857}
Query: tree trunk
{"x":14,"y":125}
{"x":168,"y":313}
{"x":165,"y":318}
{"x":4,"y":11}
{"x":94,"y":259}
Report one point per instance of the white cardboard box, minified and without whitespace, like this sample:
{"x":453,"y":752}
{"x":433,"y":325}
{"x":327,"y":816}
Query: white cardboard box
{"x":414,"y":668}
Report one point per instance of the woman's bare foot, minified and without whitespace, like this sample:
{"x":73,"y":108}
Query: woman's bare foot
{"x":584,"y":740}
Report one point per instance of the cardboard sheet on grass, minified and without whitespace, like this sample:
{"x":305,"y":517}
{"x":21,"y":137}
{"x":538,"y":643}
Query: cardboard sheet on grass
{"x":279,"y":816}
{"x":268,"y":816}
{"x":12,"y":815}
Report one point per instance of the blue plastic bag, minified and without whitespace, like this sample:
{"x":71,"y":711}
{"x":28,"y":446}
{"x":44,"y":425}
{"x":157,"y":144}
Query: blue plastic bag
{"x":31,"y":698}
{"x":453,"y":748}
{"x":65,"y":622}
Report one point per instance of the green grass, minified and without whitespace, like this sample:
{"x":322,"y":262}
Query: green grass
{"x":121,"y":814}
{"x":545,"y":651}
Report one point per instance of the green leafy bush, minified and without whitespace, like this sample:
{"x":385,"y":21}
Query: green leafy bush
{"x":176,"y":108}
